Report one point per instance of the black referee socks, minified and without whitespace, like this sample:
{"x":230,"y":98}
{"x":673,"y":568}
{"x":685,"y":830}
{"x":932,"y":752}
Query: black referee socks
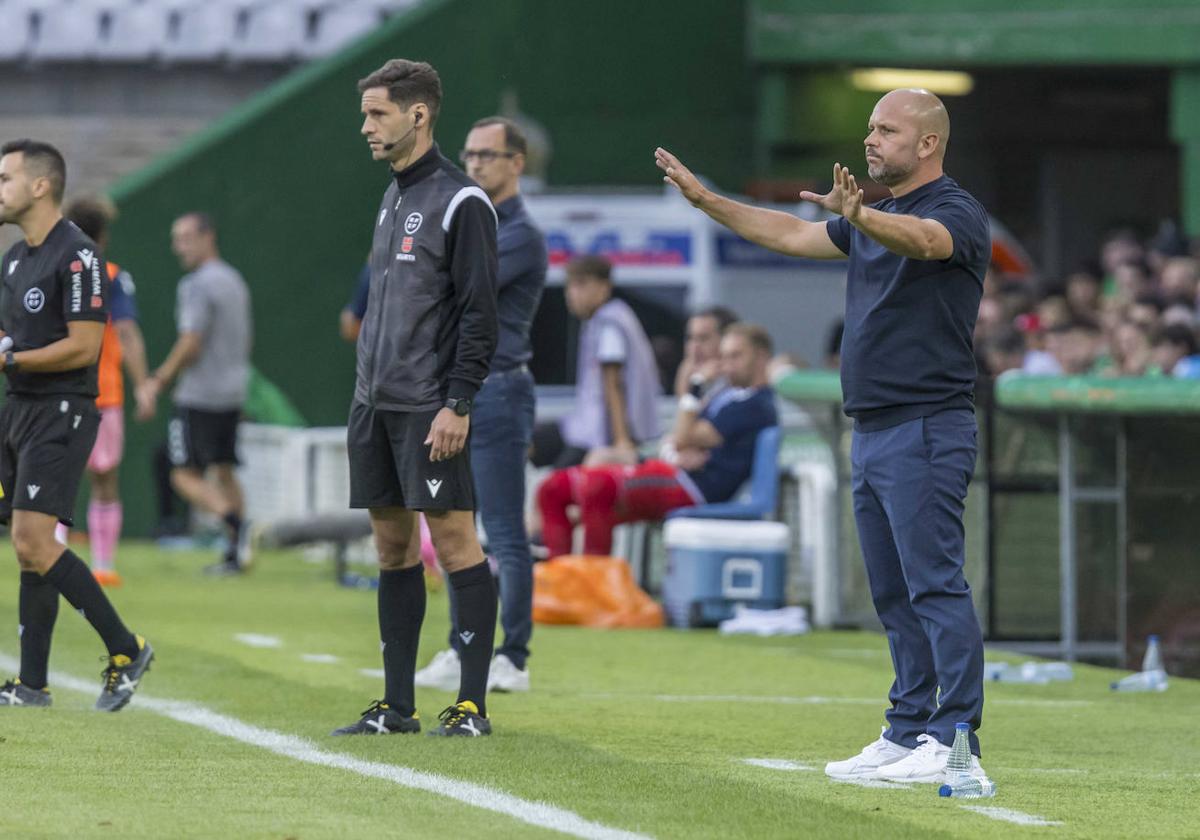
{"x":74,"y":580}
{"x":401,"y":612}
{"x":475,"y":591}
{"x":37,"y":612}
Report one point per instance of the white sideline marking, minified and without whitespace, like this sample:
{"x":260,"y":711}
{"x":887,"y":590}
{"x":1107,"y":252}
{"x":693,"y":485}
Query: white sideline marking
{"x":1009,"y":815}
{"x":1052,"y":770}
{"x":320,"y":658}
{"x":872,"y":783}
{"x":259,"y":641}
{"x":487,"y":798}
{"x":775,"y":764}
{"x":373,"y":673}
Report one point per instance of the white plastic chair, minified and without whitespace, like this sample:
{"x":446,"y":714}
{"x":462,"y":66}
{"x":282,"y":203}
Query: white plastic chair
{"x":68,"y":32}
{"x":206,"y":32}
{"x":342,"y":24}
{"x":136,"y":32}
{"x":275,"y":32}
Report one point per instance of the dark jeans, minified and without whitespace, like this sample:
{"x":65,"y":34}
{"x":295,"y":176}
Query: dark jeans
{"x":501,"y":428}
{"x":910,"y":488}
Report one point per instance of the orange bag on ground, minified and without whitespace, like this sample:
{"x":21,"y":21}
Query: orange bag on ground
{"x":593,"y":592}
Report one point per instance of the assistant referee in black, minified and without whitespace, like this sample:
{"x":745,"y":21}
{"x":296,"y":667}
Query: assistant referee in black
{"x":53,"y":307}
{"x":425,"y":347}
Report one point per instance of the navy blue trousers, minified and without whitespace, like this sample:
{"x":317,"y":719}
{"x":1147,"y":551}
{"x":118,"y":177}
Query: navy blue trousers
{"x":910,"y":488}
{"x":501,"y":428}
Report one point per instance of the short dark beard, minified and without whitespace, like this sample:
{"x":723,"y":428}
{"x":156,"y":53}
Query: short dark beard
{"x":882,"y":173}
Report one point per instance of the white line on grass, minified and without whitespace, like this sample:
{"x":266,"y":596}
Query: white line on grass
{"x":373,"y":673}
{"x":775,"y":764}
{"x":487,"y":798}
{"x":320,"y":658}
{"x":258,"y":640}
{"x":1009,"y":815}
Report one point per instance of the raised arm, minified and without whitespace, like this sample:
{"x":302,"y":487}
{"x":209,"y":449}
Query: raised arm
{"x":772,"y":229}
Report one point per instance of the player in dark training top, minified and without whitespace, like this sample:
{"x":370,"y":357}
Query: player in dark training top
{"x":53,"y":309}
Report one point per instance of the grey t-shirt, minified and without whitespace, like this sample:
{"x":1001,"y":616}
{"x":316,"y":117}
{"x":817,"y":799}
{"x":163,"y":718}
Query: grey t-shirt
{"x":214,"y":301}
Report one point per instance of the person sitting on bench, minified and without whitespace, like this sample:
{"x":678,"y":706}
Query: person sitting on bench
{"x":714,"y":452}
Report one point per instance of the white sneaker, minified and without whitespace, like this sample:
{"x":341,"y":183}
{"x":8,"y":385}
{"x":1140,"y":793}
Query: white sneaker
{"x":505,"y":676}
{"x":443,"y":672}
{"x":927,"y":763}
{"x":877,"y":754}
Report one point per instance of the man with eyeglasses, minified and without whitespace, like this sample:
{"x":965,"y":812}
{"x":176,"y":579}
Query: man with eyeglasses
{"x":503,"y":411}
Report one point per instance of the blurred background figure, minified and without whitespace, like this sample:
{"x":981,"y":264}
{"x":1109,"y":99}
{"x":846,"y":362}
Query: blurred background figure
{"x":123,"y":348}
{"x":211,"y":361}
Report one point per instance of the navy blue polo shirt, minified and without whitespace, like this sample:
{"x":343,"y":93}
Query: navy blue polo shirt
{"x":522,"y":276}
{"x":738,"y":415}
{"x":906,"y":349}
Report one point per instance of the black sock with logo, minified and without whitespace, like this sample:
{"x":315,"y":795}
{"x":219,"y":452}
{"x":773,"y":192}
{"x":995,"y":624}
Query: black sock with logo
{"x":37,"y":611}
{"x":401,"y":613}
{"x":475,"y":591}
{"x":71,"y":576}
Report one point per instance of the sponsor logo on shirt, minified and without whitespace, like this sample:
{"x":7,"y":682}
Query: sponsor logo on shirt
{"x":406,"y":244}
{"x":76,"y":266}
{"x":406,"y":257}
{"x":87,"y":257}
{"x":12,"y":267}
{"x":382,"y":215}
{"x":77,"y":292}
{"x":34,"y":300}
{"x":413,"y":223}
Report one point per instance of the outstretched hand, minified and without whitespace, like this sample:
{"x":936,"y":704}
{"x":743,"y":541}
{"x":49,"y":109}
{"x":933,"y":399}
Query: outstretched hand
{"x":845,"y":198}
{"x":679,"y":175}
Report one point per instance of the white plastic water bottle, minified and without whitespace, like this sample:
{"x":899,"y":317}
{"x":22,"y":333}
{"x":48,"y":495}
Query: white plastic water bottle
{"x":1152,"y":661}
{"x":1152,"y":677}
{"x":969,"y":787}
{"x":958,"y":765}
{"x":959,"y":781}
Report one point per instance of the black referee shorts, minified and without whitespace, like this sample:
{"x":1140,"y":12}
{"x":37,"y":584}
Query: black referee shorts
{"x":44,"y":447}
{"x":390,"y":466}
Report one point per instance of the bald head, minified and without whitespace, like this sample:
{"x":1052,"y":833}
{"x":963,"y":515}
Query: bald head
{"x":927,"y":112}
{"x":907,"y":137}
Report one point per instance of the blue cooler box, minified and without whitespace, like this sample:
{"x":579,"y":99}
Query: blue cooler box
{"x":714,"y":564}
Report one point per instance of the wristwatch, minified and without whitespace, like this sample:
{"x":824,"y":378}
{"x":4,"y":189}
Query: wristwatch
{"x":460,"y":406}
{"x":10,"y":362}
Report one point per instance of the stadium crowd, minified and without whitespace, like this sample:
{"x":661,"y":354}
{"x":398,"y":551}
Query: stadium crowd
{"x":1132,"y":311}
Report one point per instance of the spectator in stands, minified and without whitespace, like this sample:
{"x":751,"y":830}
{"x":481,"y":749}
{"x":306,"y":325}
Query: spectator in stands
{"x":1130,"y":351}
{"x":716,"y":452}
{"x":211,"y":361}
{"x":1176,"y":352}
{"x":1003,"y":352}
{"x":616,"y":383}
{"x":1083,"y":294}
{"x":1131,"y":280}
{"x":350,"y":321}
{"x":1146,"y":312}
{"x":1074,"y":347}
{"x":122,"y":343}
{"x":1180,"y":280}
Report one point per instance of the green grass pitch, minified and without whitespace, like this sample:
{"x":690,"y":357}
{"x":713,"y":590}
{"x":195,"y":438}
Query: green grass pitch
{"x":637,"y":731}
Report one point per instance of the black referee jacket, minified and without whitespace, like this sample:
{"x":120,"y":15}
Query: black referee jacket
{"x":430,"y":328}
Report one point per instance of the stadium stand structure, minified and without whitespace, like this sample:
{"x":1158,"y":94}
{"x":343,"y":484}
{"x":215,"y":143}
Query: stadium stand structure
{"x":179,"y":31}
